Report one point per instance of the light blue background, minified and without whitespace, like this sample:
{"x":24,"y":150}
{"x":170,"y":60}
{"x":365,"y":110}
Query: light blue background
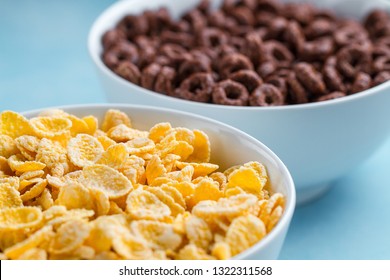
{"x":44,"y":62}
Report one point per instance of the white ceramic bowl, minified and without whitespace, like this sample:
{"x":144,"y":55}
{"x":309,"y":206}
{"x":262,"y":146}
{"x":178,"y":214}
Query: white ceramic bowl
{"x":222,"y":138}
{"x":319,"y":142}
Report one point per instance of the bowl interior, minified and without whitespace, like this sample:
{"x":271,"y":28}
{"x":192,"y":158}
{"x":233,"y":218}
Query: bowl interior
{"x":229,"y":146}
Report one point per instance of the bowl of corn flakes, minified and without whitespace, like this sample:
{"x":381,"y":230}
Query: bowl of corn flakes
{"x":309,"y":78}
{"x":135,"y":182}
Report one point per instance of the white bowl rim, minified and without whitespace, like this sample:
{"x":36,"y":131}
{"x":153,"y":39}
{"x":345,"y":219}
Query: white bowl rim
{"x":291,"y":199}
{"x":94,"y":37}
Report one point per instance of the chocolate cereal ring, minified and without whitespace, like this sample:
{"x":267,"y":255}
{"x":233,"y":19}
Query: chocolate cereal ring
{"x":149,"y":75}
{"x":112,"y":37}
{"x":123,"y":51}
{"x":197,"y":87}
{"x":133,"y":25}
{"x":266,"y":95}
{"x":247,"y":78}
{"x":212,"y":37}
{"x":164,"y":81}
{"x":332,"y":78}
{"x":228,"y":92}
{"x":310,"y":78}
{"x":280,"y":83}
{"x":331,"y":96}
{"x":128,"y":71}
{"x":361,"y":82}
{"x":381,"y":63}
{"x":297,"y":93}
{"x":278,"y":53}
{"x":381,"y":78}
{"x":233,"y":63}
{"x":353,"y":59}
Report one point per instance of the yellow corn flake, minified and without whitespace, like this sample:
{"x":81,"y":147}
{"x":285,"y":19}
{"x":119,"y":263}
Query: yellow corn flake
{"x":169,"y":162}
{"x":115,"y":209}
{"x":206,"y":189}
{"x":17,"y":163}
{"x":234,"y":206}
{"x":202,"y":147}
{"x":84,"y":150}
{"x":179,"y":134}
{"x":267,"y":206}
{"x":113,"y":118}
{"x":154,"y":169}
{"x":157,"y":234}
{"x":158,"y":131}
{"x":200,"y":169}
{"x":45,"y":200}
{"x":101,"y":202}
{"x":123,"y":133}
{"x":31,"y":242}
{"x":35,"y":191}
{"x":53,"y":155}
{"x":221,"y":251}
{"x":7,"y":146}
{"x":244,"y":232}
{"x":33,"y":254}
{"x":175,"y":194}
{"x":180,"y":148}
{"x":9,"y":196}
{"x":4,"y":167}
{"x":115,"y":156}
{"x":31,"y":175}
{"x":274,"y":218}
{"x":56,"y":182}
{"x":14,"y":125}
{"x":11,"y":181}
{"x":28,"y":146}
{"x":142,"y":204}
{"x":69,"y":236}
{"x":113,"y":183}
{"x":78,"y":125}
{"x":131,"y":247}
{"x":19,"y":218}
{"x":75,"y":196}
{"x":50,"y":127}
{"x":105,"y":141}
{"x":92,"y":124}
{"x":186,"y":189}
{"x":220,"y":178}
{"x":233,"y":191}
{"x":198,"y":232}
{"x":192,"y":252}
{"x":164,"y":197}
{"x":139,"y":146}
{"x":247,"y":179}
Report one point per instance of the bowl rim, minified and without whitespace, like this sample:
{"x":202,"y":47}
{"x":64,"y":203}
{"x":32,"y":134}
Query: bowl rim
{"x":94,"y":38}
{"x":284,"y":221}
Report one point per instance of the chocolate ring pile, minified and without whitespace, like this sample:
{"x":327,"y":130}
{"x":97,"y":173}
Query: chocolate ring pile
{"x":251,"y":53}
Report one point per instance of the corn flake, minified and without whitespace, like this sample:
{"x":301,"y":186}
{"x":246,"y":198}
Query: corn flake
{"x":19,"y":218}
{"x":113,"y":118}
{"x":244,"y":232}
{"x":84,"y":150}
{"x":14,"y":125}
{"x":142,"y":204}
{"x":113,"y":183}
{"x":9,"y":196}
{"x":69,"y":236}
{"x":50,"y":127}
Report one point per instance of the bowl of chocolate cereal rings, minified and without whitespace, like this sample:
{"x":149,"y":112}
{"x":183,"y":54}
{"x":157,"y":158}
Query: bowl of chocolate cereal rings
{"x":307,"y":78}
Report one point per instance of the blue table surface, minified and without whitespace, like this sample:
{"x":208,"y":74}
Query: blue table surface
{"x":44,"y":62}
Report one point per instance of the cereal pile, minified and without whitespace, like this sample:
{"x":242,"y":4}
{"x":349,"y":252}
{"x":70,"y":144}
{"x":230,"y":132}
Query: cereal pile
{"x":251,"y":52}
{"x":69,"y":190}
